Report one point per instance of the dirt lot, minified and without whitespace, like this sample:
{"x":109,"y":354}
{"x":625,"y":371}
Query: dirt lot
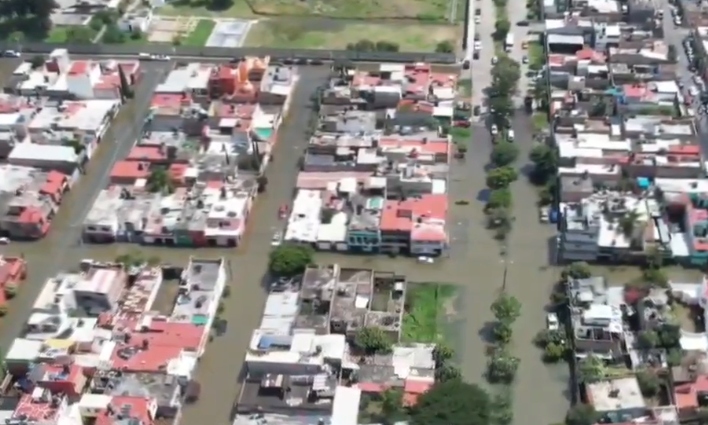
{"x":333,"y":34}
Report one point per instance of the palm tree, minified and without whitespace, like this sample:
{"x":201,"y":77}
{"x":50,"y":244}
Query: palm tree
{"x":628,"y":223}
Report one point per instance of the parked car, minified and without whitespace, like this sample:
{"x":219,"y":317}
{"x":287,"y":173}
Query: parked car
{"x":523,"y":23}
{"x":525,"y":60}
{"x":11,"y":54}
{"x":552,"y":323}
{"x":477,"y":20}
{"x":477,"y":110}
{"x":510,"y":135}
{"x":277,"y":239}
{"x":160,"y":57}
{"x":693,"y":91}
{"x":495,"y":60}
{"x":543,"y":214}
{"x":494,"y":130}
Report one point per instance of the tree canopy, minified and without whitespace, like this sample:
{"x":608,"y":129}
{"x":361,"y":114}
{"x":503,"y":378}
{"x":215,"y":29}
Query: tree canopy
{"x":288,"y":260}
{"x":591,"y":369}
{"x":504,"y":153}
{"x":506,"y":308}
{"x":499,"y":198}
{"x":502,"y":177}
{"x":545,"y":162}
{"x":452,"y":402}
{"x":373,"y":340}
{"x":577,"y":270}
{"x":582,"y":414}
{"x":502,"y":367}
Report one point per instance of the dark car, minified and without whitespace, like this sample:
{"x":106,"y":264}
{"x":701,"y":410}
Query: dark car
{"x":302,"y":61}
{"x":523,"y":23}
{"x":316,"y":62}
{"x":288,"y":61}
{"x":478,"y":12}
{"x":476,"y":37}
{"x":477,"y":110}
{"x":466,"y":65}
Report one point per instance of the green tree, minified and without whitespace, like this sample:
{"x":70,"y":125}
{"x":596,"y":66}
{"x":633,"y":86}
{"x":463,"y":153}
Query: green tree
{"x":220,"y":4}
{"x":628,"y":223}
{"x":545,"y":164}
{"x":500,"y":198}
{"x":501,"y":107}
{"x":553,"y":352}
{"x":373,"y":340}
{"x":674,"y":357}
{"x":504,"y":153}
{"x":447,"y":372}
{"x":159,"y":181}
{"x":37,"y":62}
{"x":502,"y":177}
{"x":289,"y":260}
{"x":79,"y":35}
{"x":446,"y":46}
{"x":452,"y":402}
{"x":591,"y":369}
{"x":501,"y":28}
{"x":577,"y":270}
{"x":386,"y":46}
{"x":502,"y":332}
{"x":501,"y":221}
{"x":113,"y":35}
{"x":505,"y":77}
{"x":392,"y":405}
{"x":442,"y":354}
{"x":362,"y":46}
{"x":506,"y":308}
{"x":656,"y":277}
{"x":502,"y":409}
{"x":502,"y":367}
{"x":547,"y":336}
{"x":647,"y":339}
{"x":77,"y":145}
{"x":649,"y":383}
{"x":582,"y":414}
{"x":130,"y":259}
{"x":670,"y":336}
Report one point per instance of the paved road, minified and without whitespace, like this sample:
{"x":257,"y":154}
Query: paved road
{"x":675,"y":35}
{"x":55,"y":252}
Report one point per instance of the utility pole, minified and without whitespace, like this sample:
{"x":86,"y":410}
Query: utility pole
{"x":506,"y":263}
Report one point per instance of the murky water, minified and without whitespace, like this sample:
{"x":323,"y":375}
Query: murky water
{"x":474,"y":263}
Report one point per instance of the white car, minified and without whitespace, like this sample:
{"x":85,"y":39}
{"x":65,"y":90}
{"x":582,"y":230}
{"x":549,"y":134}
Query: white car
{"x":160,"y":57}
{"x":495,"y":60}
{"x":552,"y":323}
{"x":477,"y":20}
{"x":277,"y":239}
{"x":693,"y":91}
{"x":477,"y":46}
{"x":11,"y":54}
{"x":510,"y":135}
{"x":494,"y":130}
{"x":678,"y":21}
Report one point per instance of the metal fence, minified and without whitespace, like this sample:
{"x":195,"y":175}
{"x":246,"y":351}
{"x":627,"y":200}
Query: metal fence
{"x":224,"y":52}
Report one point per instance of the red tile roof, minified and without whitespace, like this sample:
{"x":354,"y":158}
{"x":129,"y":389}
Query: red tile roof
{"x":55,"y":182}
{"x":146,"y":153}
{"x":79,"y":67}
{"x":30,"y":215}
{"x":130,"y":169}
{"x":151,"y":349}
{"x":686,"y":395}
{"x":140,"y":408}
{"x":33,"y":410}
{"x":400,"y":215}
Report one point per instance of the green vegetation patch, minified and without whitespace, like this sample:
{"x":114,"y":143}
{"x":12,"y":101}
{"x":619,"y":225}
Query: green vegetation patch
{"x":71,"y":34}
{"x":428,"y":305}
{"x":536,"y":56}
{"x":199,"y":36}
{"x":430,"y":10}
{"x":318,"y":34}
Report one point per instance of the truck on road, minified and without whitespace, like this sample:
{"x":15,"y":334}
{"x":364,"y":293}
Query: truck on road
{"x":509,"y":42}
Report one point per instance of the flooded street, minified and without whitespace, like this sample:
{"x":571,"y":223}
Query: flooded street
{"x":474,"y":265}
